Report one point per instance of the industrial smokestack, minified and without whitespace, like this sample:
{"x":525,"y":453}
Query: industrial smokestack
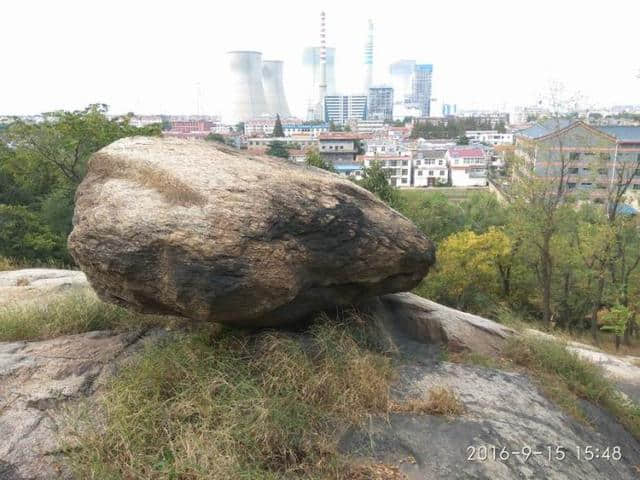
{"x":311,"y":63}
{"x":322,"y":88}
{"x":274,"y":88}
{"x":368,"y":60}
{"x":247,"y":99}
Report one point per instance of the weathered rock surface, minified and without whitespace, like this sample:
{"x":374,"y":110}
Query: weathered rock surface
{"x":192,"y":229}
{"x":38,"y":380}
{"x":502,"y":410}
{"x":39,"y":285}
{"x":424,"y":321}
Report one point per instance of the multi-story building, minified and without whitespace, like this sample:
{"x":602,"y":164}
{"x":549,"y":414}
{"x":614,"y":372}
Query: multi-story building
{"x":430,"y":168}
{"x":591,"y":159}
{"x":309,"y":129}
{"x":263,"y":126}
{"x":488,"y":117}
{"x":384,"y":146}
{"x":421,"y":94}
{"x":341,"y":109}
{"x":380,"y":103}
{"x":468,"y":166}
{"x":397,"y":167}
{"x":339,"y":147}
{"x":490,"y":137}
{"x":368,"y":126}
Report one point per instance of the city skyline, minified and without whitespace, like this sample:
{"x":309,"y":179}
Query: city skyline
{"x":159,"y":58}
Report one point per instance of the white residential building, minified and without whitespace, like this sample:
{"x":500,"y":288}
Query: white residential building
{"x":383,"y":146}
{"x":468,"y":166}
{"x":490,"y":137}
{"x":430,"y":168}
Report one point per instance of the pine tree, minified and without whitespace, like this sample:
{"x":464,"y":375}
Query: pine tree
{"x":278,"y":131}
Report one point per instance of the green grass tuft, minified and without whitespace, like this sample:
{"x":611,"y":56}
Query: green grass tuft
{"x":564,"y":377}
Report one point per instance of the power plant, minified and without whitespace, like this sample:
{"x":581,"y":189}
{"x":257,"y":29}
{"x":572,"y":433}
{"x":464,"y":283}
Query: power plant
{"x":274,"y":88}
{"x":256,"y":87}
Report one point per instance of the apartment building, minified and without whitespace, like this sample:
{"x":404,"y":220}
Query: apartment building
{"x":468,"y":166}
{"x":594,"y":158}
{"x":489,"y":137}
{"x":430,"y":168}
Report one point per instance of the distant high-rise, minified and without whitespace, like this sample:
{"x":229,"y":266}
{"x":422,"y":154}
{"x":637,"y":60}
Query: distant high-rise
{"x":246,"y":95}
{"x":368,"y":59}
{"x":402,"y":73}
{"x":380,"y":103}
{"x":422,"y":88}
{"x":340,"y":109}
{"x":274,"y":88}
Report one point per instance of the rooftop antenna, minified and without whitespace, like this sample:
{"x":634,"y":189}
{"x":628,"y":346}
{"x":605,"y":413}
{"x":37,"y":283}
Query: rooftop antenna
{"x":368,"y":60}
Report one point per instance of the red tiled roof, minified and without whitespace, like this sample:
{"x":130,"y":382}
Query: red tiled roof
{"x":466,"y":152}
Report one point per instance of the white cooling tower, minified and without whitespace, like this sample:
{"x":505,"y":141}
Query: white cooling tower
{"x":246,"y":95}
{"x":274,"y":88}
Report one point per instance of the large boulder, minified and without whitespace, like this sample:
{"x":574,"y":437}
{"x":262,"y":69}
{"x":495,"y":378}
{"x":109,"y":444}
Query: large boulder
{"x":195,"y":229}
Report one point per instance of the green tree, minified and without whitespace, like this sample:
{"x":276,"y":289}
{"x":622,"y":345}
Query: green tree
{"x":314,"y":159}
{"x":376,"y":180}
{"x":435,"y":216}
{"x":40,"y":172}
{"x":278,"y":148}
{"x":278,"y":131}
{"x":215,"y":137}
{"x":462,"y":140}
{"x":467,"y":275}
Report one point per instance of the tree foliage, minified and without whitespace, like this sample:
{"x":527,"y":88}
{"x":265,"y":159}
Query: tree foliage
{"x":278,"y":148}
{"x":278,"y":131}
{"x":376,"y":180}
{"x":41,"y":164}
{"x":314,"y":159}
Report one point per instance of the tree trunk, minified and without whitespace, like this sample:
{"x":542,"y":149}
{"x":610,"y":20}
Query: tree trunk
{"x":596,"y":308}
{"x":617,"y":342}
{"x":546,"y":280}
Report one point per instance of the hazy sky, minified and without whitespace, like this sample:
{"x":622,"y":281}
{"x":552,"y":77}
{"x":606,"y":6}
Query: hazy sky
{"x":150,"y":56}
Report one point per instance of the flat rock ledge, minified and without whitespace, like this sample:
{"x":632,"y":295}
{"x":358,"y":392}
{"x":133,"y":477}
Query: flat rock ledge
{"x":38,"y":381}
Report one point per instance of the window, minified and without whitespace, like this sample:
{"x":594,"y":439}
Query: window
{"x":586,"y":184}
{"x":404,"y":180}
{"x":574,"y":156}
{"x":431,"y":173}
{"x":439,"y":162}
{"x":574,"y":170}
{"x":442,"y":173}
{"x":602,"y":171}
{"x":417,"y":162}
{"x":601,"y":186}
{"x":405,"y":171}
{"x":586,"y":170}
{"x":636,"y":186}
{"x":571,"y":185}
{"x":404,"y":163}
{"x":392,"y":163}
{"x":419,"y":173}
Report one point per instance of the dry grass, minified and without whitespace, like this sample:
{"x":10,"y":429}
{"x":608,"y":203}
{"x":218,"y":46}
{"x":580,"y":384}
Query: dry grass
{"x":376,"y":471}
{"x":441,"y":401}
{"x":264,"y":406}
{"x":82,"y":312}
{"x":172,"y":189}
{"x":22,"y":282}
{"x":7,"y":264}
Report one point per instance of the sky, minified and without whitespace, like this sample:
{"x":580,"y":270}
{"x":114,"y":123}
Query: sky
{"x":169,"y":56}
